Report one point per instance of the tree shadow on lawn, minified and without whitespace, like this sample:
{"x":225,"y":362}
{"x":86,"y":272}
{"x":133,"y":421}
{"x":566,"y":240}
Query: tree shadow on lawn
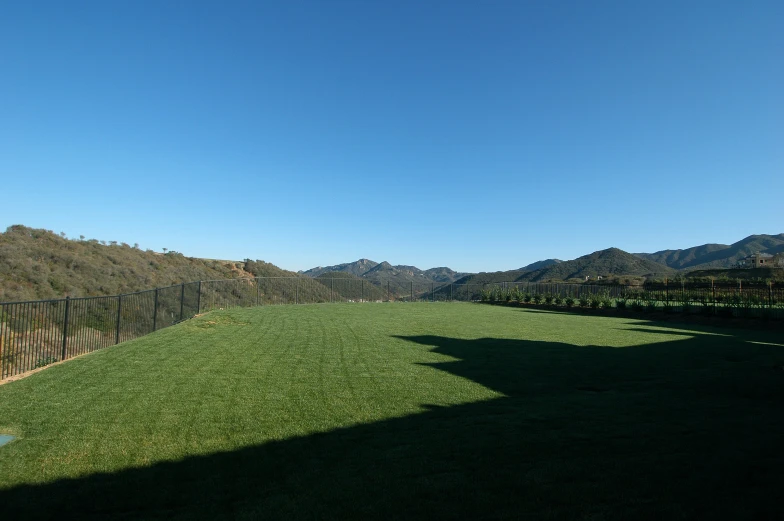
{"x":662,"y":431}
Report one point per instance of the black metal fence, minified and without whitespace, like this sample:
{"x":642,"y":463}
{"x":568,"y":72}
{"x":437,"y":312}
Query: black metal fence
{"x":764,"y":300}
{"x":38,"y":333}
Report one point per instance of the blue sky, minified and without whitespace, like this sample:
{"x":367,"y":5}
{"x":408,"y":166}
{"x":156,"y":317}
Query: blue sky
{"x":478,"y":135}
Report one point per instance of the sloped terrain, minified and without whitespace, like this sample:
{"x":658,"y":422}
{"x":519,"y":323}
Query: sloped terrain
{"x":39,"y":264}
{"x":717,"y":256}
{"x":611,"y":261}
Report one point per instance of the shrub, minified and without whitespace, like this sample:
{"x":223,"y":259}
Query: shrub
{"x":746,"y":304}
{"x":620,"y":303}
{"x":558,"y":300}
{"x":42,"y":362}
{"x":584,"y":301}
{"x":725,"y":312}
{"x":548,"y":299}
{"x":569,"y":301}
{"x":537,"y":298}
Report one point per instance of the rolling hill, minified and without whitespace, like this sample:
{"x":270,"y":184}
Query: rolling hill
{"x":490,"y":277}
{"x":383,"y":273}
{"x":717,"y":256}
{"x":38,"y":264}
{"x":540,"y":264}
{"x":347,"y":286}
{"x":605,"y":263}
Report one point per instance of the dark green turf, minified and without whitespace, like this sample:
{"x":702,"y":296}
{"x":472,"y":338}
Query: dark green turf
{"x":403,"y":411}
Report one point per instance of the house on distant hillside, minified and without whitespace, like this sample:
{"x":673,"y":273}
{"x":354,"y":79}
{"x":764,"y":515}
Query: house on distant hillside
{"x":762,"y":260}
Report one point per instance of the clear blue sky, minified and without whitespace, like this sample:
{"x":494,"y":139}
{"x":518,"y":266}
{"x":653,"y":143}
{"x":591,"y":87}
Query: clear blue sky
{"x":478,"y":135}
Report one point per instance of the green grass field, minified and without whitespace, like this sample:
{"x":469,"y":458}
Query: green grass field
{"x":403,"y":411}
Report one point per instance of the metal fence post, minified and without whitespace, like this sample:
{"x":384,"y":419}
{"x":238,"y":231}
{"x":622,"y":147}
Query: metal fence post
{"x":450,"y":292}
{"x":363,"y":290}
{"x":182,"y":301}
{"x":119,"y":318}
{"x":331,"y":290}
{"x":155,"y":312}
{"x":433,"y":291}
{"x":296,"y":299}
{"x":412,"y":291}
{"x":770,"y":294}
{"x":389,"y":299}
{"x":65,"y":329}
{"x":2,"y":342}
{"x":198,"y":300}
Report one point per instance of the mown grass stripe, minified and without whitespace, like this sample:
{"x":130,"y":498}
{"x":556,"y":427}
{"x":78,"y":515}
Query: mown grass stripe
{"x":402,"y":410}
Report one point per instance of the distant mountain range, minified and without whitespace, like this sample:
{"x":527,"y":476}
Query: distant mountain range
{"x":713,"y":256}
{"x":382,"y":272}
{"x":356,"y":268}
{"x":611,"y":261}
{"x":39,"y":264}
{"x":604,"y":263}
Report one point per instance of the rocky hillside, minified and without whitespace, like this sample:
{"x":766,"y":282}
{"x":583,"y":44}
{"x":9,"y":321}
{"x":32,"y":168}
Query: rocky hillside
{"x":356,"y":268}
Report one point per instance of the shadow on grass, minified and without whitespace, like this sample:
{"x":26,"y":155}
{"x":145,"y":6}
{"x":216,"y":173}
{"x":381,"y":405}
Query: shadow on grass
{"x":672,"y":318}
{"x":684,"y":429}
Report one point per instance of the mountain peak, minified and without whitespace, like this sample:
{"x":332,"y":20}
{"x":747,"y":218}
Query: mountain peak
{"x":540,"y":264}
{"x":357,"y":268}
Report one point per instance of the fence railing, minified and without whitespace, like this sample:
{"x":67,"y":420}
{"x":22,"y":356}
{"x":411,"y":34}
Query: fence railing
{"x":725,"y":300}
{"x":37,"y":333}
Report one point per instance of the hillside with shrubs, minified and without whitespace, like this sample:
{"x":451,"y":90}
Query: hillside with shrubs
{"x":37,"y":264}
